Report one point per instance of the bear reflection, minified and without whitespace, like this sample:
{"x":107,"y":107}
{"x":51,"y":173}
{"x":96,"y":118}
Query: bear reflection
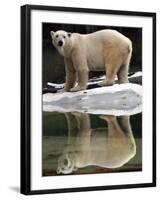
{"x":109,"y":147}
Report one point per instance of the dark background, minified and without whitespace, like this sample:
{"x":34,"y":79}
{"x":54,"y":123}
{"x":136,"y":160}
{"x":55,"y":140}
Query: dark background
{"x":53,"y":64}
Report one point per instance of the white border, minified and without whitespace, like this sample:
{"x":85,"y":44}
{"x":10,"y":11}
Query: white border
{"x":42,"y":183}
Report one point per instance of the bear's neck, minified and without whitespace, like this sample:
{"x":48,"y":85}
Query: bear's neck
{"x":67,"y":50}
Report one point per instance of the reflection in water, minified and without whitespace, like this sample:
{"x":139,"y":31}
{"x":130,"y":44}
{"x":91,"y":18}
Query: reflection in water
{"x":110,"y":148}
{"x":107,"y":147}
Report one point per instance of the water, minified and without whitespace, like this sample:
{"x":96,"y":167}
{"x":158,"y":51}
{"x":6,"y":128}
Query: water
{"x":81,"y":143}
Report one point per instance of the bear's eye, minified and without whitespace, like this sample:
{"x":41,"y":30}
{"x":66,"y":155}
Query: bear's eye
{"x":56,"y":36}
{"x":64,"y":36}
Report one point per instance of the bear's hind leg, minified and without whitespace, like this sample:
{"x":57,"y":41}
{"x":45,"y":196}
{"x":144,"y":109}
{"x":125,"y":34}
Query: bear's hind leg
{"x":123,"y":70}
{"x":111,"y":71}
{"x":123,"y":73}
{"x":113,"y":60}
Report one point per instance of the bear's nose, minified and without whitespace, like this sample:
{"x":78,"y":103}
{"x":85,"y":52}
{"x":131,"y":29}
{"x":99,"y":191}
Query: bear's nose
{"x":60,"y":43}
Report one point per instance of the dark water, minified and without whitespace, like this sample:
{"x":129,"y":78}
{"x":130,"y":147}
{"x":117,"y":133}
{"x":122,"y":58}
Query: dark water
{"x":79,"y":143}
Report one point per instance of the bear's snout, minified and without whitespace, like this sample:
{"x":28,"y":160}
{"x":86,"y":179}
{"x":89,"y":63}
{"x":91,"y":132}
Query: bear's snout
{"x":60,"y":43}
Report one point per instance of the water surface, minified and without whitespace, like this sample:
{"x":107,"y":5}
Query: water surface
{"x":80,"y":143}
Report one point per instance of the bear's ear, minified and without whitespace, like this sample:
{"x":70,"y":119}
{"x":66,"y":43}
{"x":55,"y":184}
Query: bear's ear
{"x":52,"y":33}
{"x":69,"y":34}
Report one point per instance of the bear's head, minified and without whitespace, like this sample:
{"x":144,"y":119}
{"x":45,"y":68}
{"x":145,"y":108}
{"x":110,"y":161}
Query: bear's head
{"x":66,"y":163}
{"x":61,"y":40}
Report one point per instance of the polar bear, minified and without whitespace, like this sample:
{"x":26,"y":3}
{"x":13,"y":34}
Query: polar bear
{"x":106,"y":50}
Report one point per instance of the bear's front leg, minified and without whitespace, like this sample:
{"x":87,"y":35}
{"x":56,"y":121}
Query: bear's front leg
{"x":71,"y":78}
{"x":82,"y":80}
{"x":71,"y":75}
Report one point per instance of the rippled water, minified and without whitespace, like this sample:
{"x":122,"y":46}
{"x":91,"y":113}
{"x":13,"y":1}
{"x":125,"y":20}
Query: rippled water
{"x":80,"y":143}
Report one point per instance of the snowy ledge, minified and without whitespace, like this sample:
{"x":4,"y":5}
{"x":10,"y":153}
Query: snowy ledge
{"x":119,"y":99}
{"x":94,"y":81}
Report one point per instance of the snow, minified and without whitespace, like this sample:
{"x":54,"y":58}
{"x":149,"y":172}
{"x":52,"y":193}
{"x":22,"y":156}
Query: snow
{"x":56,"y":85}
{"x":119,"y":99}
{"x":93,"y":80}
{"x":136,"y":74}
